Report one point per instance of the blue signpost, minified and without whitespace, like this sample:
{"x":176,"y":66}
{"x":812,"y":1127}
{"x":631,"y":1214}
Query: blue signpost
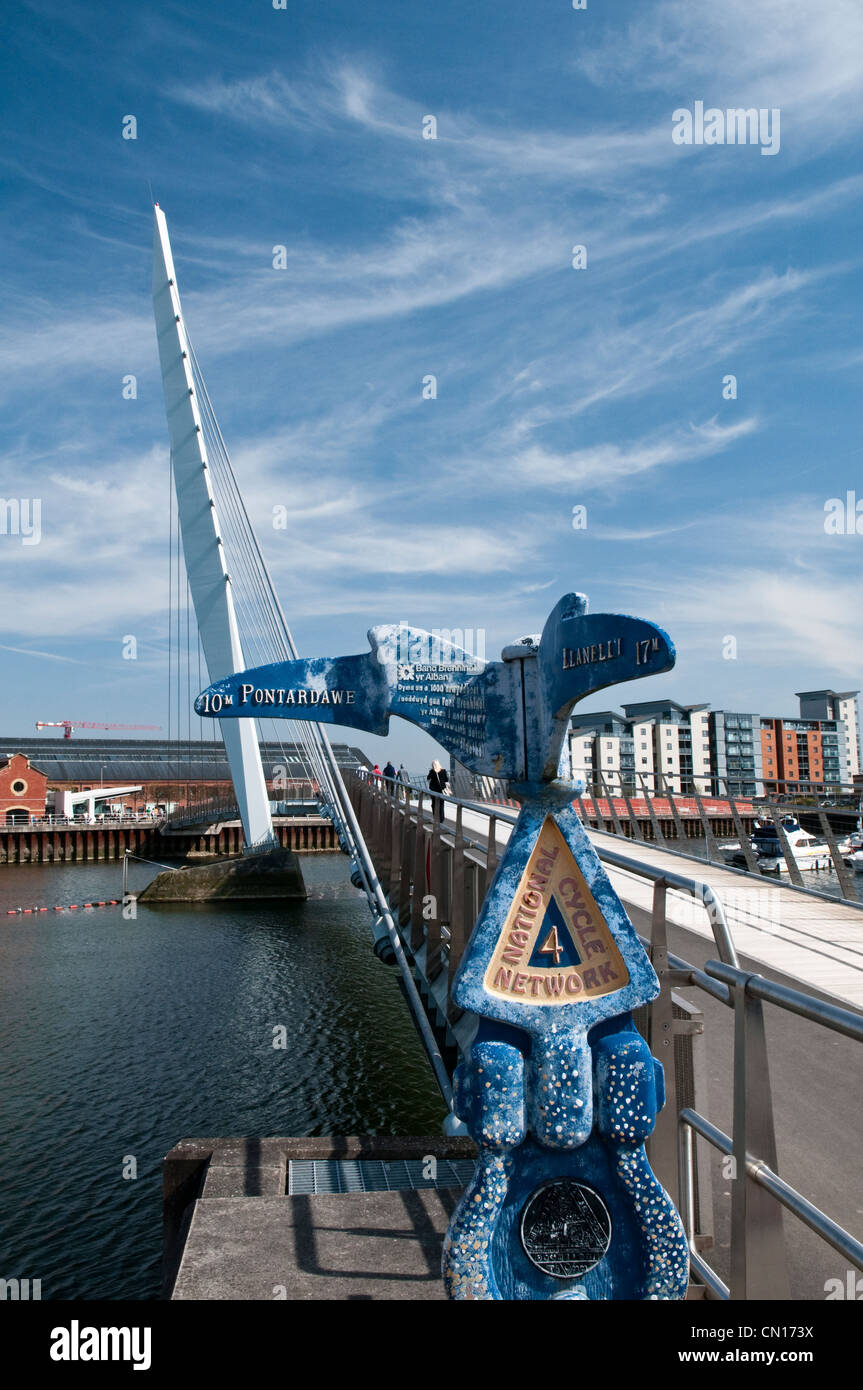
{"x":560,"y":1091}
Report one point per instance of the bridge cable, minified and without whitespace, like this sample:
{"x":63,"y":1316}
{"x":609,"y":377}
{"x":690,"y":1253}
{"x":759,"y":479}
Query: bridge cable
{"x":261,"y":639}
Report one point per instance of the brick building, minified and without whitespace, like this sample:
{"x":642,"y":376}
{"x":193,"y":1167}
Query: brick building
{"x":803,"y":751}
{"x":169,"y":772}
{"x":23,"y":789}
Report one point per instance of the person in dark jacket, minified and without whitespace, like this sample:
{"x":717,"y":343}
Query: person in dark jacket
{"x":389,"y":771}
{"x":438,"y":782}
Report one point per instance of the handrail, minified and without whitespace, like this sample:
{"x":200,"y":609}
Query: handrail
{"x":82,"y":822}
{"x":502,"y":813}
{"x":791,"y":1199}
{"x":378,"y":901}
{"x":402,"y":834}
{"x":695,"y":887}
{"x":744,"y":873}
{"x":758,"y":1263}
{"x":794,"y":1000}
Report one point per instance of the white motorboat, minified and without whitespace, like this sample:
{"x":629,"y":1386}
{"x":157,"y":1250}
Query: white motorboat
{"x":809,"y":851}
{"x":851,"y":844}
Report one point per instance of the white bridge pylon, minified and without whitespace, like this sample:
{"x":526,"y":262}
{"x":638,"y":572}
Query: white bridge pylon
{"x":209,"y":580}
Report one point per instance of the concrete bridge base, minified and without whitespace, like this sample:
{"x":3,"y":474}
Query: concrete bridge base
{"x":250,"y":878}
{"x":232,"y":1231}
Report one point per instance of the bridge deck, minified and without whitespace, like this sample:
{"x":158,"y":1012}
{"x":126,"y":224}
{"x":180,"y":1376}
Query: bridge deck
{"x":814,"y":940}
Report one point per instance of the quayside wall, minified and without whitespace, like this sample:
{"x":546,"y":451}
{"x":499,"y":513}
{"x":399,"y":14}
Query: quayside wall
{"x":86,"y":843}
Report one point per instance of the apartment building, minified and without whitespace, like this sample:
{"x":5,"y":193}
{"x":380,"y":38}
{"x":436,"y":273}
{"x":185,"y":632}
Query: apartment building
{"x":602,"y":743}
{"x":672,"y":745}
{"x":653,"y":745}
{"x":797,"y":751}
{"x":843,"y":707}
{"x":656,"y":744}
{"x":735,"y":753}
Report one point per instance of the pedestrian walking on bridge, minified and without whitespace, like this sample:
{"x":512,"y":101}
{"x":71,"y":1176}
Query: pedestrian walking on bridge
{"x":438,"y":782}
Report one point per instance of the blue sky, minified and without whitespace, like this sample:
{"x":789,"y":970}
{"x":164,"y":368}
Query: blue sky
{"x":557,"y":387}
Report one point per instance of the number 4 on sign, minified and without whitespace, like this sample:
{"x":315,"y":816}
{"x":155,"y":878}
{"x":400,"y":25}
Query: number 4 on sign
{"x":552,"y":947}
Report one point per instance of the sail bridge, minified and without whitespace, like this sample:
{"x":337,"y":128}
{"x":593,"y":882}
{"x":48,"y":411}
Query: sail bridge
{"x":241,"y":622}
{"x":192,"y":434}
{"x":228,"y":580}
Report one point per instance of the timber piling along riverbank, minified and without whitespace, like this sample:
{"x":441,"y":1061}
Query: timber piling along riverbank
{"x":35,"y":844}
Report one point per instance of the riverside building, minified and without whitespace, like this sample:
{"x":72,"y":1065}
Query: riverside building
{"x":176,"y":773}
{"x":659,"y":744}
{"x":842,"y":707}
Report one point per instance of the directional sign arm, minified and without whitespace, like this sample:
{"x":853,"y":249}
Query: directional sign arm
{"x":581,"y":653}
{"x":348,"y":690}
{"x":464,"y":702}
{"x":503,"y":719}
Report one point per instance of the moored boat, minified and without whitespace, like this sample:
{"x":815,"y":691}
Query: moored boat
{"x":809,"y":851}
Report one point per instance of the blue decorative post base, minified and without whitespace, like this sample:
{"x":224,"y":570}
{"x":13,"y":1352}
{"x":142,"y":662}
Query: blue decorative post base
{"x":560,"y":1091}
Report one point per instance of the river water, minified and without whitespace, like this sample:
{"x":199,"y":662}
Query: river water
{"x":119,"y":1038}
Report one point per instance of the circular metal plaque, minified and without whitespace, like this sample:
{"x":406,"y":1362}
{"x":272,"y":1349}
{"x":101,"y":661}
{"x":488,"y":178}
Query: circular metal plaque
{"x":565,"y":1228}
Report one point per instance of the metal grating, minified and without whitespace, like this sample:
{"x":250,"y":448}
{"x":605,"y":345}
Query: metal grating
{"x":309,"y":1176}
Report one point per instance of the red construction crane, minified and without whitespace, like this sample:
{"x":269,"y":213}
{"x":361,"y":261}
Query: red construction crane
{"x":70,"y":724}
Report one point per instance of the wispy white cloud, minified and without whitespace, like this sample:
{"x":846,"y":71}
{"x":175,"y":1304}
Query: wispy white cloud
{"x":605,"y":464}
{"x":640,"y":533}
{"x":46,"y":656}
{"x":789,"y":53}
{"x":389,"y":548}
{"x":342,"y":93}
{"x":806,"y":621}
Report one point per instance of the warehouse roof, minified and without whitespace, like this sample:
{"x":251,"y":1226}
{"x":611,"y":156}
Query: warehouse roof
{"x":155,"y":760}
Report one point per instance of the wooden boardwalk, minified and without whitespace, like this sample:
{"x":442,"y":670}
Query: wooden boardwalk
{"x":817,"y":941}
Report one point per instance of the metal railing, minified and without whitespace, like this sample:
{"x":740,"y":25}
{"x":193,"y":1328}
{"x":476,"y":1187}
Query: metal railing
{"x":434,"y":874}
{"x":111,"y":822}
{"x":296,"y":791}
{"x":758,"y":1266}
{"x":205,"y":812}
{"x":671,"y":819}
